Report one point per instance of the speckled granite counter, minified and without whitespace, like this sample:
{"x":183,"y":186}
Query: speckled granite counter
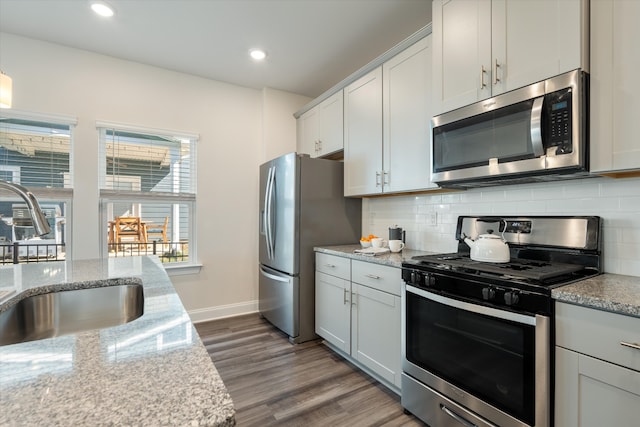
{"x":610,"y":292}
{"x":392,"y":259}
{"x":153,"y":371}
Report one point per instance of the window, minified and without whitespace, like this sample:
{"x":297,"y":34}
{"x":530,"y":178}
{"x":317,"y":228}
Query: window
{"x":35,"y":152}
{"x":148,"y":193}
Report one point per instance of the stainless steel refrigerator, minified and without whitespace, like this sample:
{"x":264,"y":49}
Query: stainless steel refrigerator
{"x":301,"y":206}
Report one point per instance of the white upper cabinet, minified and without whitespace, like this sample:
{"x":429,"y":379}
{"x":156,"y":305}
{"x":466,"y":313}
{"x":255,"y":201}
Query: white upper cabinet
{"x":387,"y":134}
{"x":615,"y":101}
{"x":406,"y":102}
{"x":321,"y":128}
{"x":482,"y":48}
{"x":363,"y":135}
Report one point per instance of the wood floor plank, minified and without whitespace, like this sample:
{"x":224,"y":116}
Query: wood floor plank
{"x":275,"y":383}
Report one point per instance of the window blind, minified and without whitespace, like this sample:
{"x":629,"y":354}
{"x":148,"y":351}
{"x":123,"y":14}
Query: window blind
{"x":35,"y":154}
{"x":148,"y":164}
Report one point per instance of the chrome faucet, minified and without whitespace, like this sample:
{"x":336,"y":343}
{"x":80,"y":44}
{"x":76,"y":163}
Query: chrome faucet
{"x":40,"y":223}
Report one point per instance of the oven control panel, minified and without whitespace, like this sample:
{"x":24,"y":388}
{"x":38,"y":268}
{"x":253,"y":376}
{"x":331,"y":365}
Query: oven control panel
{"x":478,"y":291}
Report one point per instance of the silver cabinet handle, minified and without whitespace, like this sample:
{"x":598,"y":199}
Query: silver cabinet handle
{"x":536,"y":127}
{"x":372,"y":276}
{"x":385,"y":177}
{"x":319,"y":145}
{"x":495,"y":71}
{"x":353,"y":298}
{"x":330,"y":265}
{"x":378,"y":183}
{"x":634,"y":345}
{"x":345,"y":300}
{"x":482,"y":73}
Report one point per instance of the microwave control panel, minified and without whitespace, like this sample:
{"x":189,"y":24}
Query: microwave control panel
{"x":557,"y":112}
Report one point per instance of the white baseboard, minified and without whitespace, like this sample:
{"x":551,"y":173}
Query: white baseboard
{"x":222,"y":311}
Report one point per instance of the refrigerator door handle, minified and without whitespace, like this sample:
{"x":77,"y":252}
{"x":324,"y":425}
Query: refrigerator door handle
{"x":270,"y":225}
{"x":266,"y":217}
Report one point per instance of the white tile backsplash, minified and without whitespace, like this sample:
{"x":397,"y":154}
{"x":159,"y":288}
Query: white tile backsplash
{"x":617,"y":201}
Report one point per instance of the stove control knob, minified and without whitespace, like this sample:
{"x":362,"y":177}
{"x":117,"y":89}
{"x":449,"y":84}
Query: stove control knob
{"x":430,"y":280}
{"x":511,"y":298}
{"x":488,"y":294}
{"x":415,"y":278}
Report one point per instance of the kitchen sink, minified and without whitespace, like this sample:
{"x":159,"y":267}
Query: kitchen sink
{"x":66,"y":312}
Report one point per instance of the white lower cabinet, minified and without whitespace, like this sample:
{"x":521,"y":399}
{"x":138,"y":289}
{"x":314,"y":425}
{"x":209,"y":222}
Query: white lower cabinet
{"x":360,"y":315}
{"x":597,"y":376}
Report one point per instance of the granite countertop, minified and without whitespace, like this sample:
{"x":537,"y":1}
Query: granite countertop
{"x":392,"y":259}
{"x":152,"y":371}
{"x":610,"y":292}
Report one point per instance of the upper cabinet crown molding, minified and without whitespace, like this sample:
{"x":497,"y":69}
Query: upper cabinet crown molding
{"x":420,"y":34}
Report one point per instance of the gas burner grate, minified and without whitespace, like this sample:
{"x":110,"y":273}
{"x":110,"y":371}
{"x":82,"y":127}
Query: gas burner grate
{"x":521,"y":268}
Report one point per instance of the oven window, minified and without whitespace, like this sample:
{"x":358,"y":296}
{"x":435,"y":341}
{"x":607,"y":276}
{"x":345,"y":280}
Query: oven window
{"x":491,"y":358}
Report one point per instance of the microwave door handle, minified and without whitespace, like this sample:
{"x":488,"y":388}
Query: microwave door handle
{"x":536,"y":127}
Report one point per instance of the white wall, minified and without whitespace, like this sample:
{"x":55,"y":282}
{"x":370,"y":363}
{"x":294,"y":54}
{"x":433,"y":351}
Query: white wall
{"x":616,"y":201}
{"x":279,"y":125}
{"x":231,"y":122}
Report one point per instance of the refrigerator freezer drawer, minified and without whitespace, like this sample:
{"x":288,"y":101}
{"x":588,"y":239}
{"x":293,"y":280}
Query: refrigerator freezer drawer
{"x":278,"y":301}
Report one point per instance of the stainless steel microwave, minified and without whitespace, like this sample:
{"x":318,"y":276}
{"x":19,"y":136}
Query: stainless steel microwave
{"x":536,"y":133}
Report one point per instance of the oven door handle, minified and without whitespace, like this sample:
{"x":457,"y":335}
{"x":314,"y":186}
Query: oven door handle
{"x":480,"y":309}
{"x":457,"y":417}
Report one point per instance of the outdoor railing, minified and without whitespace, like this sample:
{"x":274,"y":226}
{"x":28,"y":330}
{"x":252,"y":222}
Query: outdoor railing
{"x":21,"y":253}
{"x":167,"y":252}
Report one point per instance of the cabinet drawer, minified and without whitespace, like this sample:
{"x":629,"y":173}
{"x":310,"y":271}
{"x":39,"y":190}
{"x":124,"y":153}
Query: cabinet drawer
{"x":333,"y":265}
{"x":381,"y":277}
{"x":599,"y":334}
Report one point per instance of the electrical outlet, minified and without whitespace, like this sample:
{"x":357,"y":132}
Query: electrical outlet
{"x":432,"y":219}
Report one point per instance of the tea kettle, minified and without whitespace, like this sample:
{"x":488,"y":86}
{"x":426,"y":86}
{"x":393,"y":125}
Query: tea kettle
{"x":396,"y":233}
{"x":488,"y":248}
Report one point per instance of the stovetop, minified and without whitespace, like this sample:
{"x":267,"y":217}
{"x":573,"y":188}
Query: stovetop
{"x":524,"y":269}
{"x":545,"y":253}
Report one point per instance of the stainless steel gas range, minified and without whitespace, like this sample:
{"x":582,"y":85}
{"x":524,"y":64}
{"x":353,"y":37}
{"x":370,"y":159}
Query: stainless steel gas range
{"x":478,"y":336}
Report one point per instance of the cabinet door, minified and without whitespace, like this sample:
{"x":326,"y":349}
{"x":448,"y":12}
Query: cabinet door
{"x":615,"y":104}
{"x":461,"y":53}
{"x":330,"y":126}
{"x":308,"y":132}
{"x":593,"y":393}
{"x":534,"y":40}
{"x":333,"y":310}
{"x":363,"y":135}
{"x":376,"y":332}
{"x":406,"y":81}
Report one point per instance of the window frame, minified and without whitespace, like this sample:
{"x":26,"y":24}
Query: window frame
{"x":109,"y":196}
{"x":46,"y":195}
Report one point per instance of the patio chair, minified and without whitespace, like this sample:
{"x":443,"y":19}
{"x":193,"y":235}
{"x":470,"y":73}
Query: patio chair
{"x":129,"y":228}
{"x":158,"y":230}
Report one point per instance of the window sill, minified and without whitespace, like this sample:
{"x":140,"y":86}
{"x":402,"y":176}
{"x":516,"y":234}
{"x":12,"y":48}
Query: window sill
{"x":181,"y":270}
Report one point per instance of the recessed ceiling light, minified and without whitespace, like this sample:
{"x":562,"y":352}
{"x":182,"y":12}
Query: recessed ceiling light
{"x":258,"y":54}
{"x":102,"y":8}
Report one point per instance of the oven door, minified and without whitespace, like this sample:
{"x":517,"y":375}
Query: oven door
{"x":495,"y":363}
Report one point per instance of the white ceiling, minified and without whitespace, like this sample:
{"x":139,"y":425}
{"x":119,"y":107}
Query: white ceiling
{"x":312,"y":44}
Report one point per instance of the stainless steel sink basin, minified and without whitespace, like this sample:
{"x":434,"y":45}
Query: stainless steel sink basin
{"x":67,"y":312}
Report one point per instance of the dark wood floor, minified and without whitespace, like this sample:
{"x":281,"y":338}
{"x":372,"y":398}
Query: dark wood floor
{"x":275,"y":383}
